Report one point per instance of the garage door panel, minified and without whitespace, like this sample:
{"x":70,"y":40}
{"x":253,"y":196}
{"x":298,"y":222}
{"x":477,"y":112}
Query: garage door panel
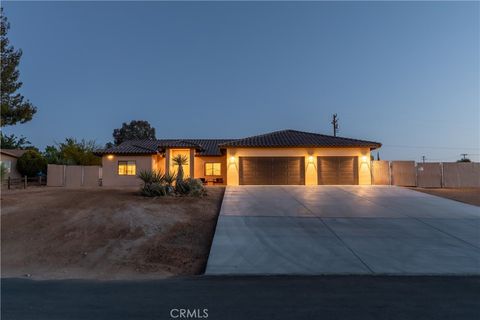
{"x":338,"y":170}
{"x":272,"y":170}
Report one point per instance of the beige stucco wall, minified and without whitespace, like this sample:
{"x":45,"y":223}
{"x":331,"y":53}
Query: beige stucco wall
{"x":199,"y":165}
{"x":310,"y":154}
{"x":14,"y":174}
{"x":110,"y":177}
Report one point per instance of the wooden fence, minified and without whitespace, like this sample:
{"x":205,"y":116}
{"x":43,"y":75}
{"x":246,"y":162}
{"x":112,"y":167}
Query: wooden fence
{"x":24,"y":183}
{"x":427,"y":175}
{"x":73,"y":176}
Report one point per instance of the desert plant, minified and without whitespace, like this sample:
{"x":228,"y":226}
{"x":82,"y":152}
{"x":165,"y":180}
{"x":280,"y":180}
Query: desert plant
{"x":169,"y":178}
{"x":31,"y":163}
{"x":154,"y":190}
{"x":149,"y":176}
{"x":180,"y":160}
{"x":196,"y":188}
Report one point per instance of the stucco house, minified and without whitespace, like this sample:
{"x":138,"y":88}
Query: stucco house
{"x":9,"y":158}
{"x":287,"y":157}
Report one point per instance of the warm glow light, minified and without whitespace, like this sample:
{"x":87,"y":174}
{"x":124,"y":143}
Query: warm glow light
{"x":110,"y":157}
{"x":232,"y":159}
{"x":364,"y":158}
{"x":310,"y":159}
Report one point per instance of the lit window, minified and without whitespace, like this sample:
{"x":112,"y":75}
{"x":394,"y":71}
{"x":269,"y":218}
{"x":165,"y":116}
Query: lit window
{"x":127,"y":168}
{"x":213,"y":169}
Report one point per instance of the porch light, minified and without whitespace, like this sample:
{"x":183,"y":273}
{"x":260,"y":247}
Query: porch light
{"x":310,"y":159}
{"x":364,"y":159}
{"x":110,"y":157}
{"x":232,"y":159}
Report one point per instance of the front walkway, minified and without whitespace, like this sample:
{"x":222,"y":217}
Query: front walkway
{"x":343,"y":230}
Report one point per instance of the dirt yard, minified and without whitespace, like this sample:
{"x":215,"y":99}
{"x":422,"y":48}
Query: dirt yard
{"x":467,"y":195}
{"x":58,"y":233}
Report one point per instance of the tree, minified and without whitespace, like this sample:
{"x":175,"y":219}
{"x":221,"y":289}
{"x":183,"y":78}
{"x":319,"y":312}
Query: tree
{"x":31,"y":163}
{"x":14,"y":107}
{"x":135,"y":130}
{"x":464,"y":160}
{"x":73,"y":152}
{"x":13,"y":142}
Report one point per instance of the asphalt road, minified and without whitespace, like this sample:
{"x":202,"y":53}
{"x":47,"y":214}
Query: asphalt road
{"x":286,"y":297}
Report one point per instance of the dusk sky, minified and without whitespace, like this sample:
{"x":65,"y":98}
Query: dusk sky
{"x":404,"y":74}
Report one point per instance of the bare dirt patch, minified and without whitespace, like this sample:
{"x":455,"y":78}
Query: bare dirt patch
{"x":466,"y":195}
{"x":58,"y":233}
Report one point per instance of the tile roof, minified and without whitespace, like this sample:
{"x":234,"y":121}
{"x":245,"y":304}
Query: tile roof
{"x":14,"y":152}
{"x":294,"y":138}
{"x":212,"y":147}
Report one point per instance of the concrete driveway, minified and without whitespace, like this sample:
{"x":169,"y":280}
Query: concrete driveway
{"x":343,"y":230}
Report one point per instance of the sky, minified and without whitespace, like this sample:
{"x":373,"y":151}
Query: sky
{"x":405,"y":74}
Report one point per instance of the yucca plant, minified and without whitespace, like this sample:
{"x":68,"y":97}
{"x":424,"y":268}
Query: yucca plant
{"x":180,"y":160}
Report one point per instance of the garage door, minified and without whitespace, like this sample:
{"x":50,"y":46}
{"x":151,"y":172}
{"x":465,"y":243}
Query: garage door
{"x":272,"y":170}
{"x":337,"y":170}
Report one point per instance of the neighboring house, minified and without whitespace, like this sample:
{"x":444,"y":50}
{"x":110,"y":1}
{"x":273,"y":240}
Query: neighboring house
{"x":9,"y":159}
{"x":286,"y":157}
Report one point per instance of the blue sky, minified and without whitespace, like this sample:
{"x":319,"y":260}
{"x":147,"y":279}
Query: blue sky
{"x":405,"y":74}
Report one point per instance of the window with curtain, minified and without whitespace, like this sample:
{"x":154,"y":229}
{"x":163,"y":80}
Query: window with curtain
{"x":213,"y":169}
{"x":127,"y":168}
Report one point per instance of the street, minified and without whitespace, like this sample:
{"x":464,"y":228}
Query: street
{"x":282,"y":297}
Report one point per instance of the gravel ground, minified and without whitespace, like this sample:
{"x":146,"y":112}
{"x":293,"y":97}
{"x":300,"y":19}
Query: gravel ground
{"x":59,"y":233}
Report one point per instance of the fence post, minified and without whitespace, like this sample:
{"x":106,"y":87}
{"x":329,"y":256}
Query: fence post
{"x":25,"y":182}
{"x":39,"y":180}
{"x":9,"y":183}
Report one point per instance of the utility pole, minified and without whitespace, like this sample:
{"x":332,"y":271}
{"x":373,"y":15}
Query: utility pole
{"x":464,"y":155}
{"x":423,"y":159}
{"x":335,"y":124}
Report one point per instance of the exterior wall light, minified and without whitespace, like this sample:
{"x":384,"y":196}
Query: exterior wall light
{"x":232,"y":159}
{"x":364,"y":159}
{"x":110,"y":157}
{"x":310,"y":159}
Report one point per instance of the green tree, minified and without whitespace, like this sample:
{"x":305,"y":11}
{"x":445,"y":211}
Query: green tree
{"x":14,"y":107}
{"x":135,"y":130}
{"x":73,"y":152}
{"x":31,"y":163}
{"x":14,"y":142}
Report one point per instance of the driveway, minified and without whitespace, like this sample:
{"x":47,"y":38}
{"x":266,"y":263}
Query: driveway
{"x":343,"y":230}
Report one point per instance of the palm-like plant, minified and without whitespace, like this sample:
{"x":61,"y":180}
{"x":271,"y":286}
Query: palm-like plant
{"x":150,"y":177}
{"x":180,"y":160}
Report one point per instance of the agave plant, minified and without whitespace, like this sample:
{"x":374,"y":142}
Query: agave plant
{"x":180,"y":160}
{"x":149,"y":177}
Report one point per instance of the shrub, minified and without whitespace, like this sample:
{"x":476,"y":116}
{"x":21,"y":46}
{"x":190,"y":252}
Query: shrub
{"x":31,"y":163}
{"x":148,"y":177}
{"x":190,"y":187}
{"x":154,"y":190}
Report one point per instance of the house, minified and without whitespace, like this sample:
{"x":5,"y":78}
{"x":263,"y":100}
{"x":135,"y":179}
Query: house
{"x":9,"y":159}
{"x":287,"y":157}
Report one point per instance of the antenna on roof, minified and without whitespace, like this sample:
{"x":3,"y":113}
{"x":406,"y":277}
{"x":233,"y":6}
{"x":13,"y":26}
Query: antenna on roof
{"x":335,"y":124}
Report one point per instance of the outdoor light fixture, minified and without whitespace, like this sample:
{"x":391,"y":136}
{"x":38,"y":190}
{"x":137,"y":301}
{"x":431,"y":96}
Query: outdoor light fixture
{"x":110,"y":157}
{"x":310,"y":159}
{"x":364,"y":159}
{"x":232,"y":159}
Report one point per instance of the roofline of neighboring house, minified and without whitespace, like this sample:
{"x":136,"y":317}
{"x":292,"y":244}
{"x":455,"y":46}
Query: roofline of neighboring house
{"x":7,"y":152}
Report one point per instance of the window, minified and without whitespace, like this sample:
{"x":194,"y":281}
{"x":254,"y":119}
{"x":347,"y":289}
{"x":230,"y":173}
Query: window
{"x":213,"y":169}
{"x":7,"y":164}
{"x":127,"y":168}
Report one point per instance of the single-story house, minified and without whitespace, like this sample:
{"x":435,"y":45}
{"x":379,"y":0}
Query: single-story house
{"x":9,"y":159}
{"x":287,"y":157}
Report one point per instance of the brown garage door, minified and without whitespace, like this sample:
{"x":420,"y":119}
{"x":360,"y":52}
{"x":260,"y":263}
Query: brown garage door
{"x":337,"y":170}
{"x":272,"y":170}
